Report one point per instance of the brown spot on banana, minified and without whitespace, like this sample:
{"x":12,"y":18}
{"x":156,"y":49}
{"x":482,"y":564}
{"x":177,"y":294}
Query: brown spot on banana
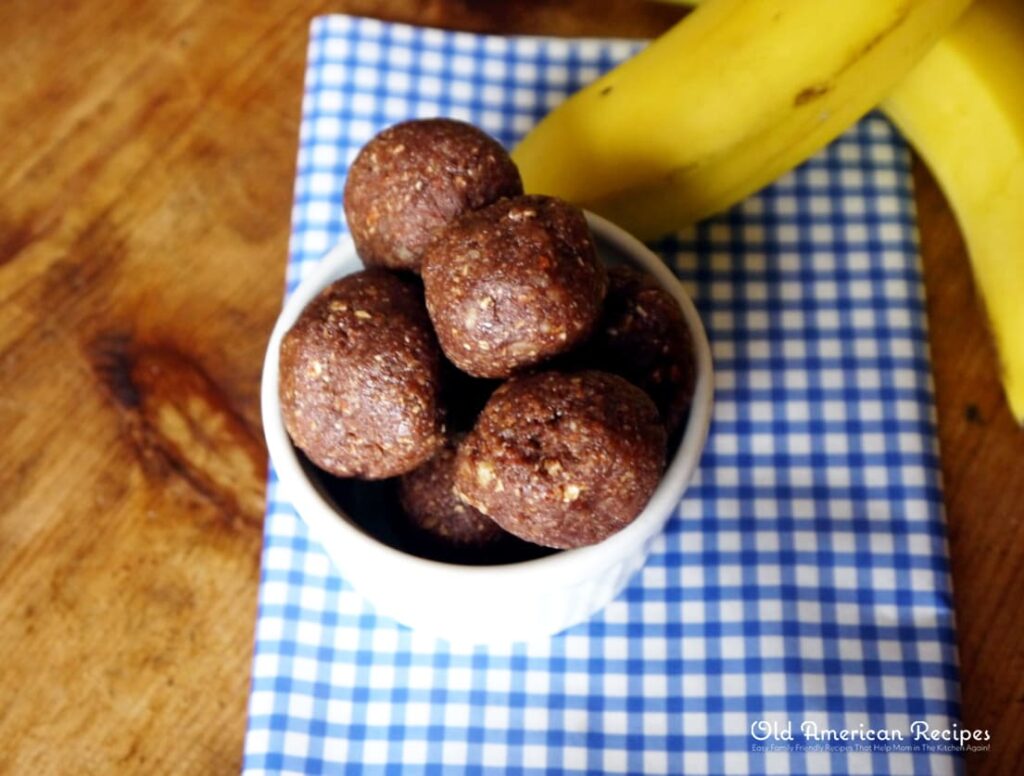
{"x":816,"y":91}
{"x":811,"y":93}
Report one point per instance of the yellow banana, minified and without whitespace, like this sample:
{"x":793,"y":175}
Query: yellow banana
{"x":962,"y":108}
{"x":737,"y":93}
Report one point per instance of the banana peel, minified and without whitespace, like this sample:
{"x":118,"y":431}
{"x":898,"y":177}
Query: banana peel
{"x":653,"y":168}
{"x":736,"y":94}
{"x":962,"y":108}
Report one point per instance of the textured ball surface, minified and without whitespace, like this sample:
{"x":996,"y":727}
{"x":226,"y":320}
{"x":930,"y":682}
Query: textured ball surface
{"x":513,"y":284}
{"x":563,"y":459}
{"x":431,"y":505}
{"x":411,"y":180}
{"x":360,"y":376}
{"x":643,"y":337}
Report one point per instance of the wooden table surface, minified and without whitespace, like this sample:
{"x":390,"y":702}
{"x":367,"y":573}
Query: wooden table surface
{"x":146,"y":167}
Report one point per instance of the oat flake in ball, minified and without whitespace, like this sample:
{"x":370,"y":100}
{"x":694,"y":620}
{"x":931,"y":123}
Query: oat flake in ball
{"x":359,"y":378}
{"x":430,"y":504}
{"x":412,"y":179}
{"x":513,"y":284}
{"x":563,"y":459}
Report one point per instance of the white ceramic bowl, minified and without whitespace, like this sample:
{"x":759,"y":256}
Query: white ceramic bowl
{"x":488,"y":604}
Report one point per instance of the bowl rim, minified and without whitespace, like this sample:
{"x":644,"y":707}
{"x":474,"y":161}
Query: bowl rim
{"x":323,"y":518}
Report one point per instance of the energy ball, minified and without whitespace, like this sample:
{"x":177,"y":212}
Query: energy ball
{"x":563,"y":459}
{"x":409,"y":182}
{"x":643,"y":336}
{"x":428,"y":499}
{"x":513,"y":284}
{"x":360,"y":378}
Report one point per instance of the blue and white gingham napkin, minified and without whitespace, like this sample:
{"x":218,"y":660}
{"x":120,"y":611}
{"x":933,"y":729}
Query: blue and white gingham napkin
{"x":804,"y":580}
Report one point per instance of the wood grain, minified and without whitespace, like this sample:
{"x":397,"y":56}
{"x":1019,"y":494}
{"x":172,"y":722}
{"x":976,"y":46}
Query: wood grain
{"x":982,"y":455}
{"x":146,"y":176}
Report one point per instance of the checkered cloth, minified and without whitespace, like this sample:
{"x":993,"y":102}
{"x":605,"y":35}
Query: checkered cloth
{"x":805,"y":576}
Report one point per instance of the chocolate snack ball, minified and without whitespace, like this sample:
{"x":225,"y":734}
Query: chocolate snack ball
{"x":643,"y":336}
{"x":563,"y":459}
{"x":411,"y":180}
{"x":513,"y":284}
{"x":428,"y":499}
{"x":359,"y":378}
